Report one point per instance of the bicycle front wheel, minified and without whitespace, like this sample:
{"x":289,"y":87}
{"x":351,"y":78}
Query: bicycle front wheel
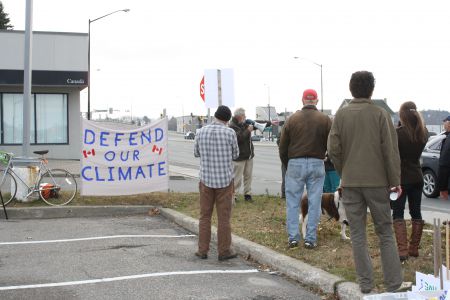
{"x":8,"y":187}
{"x":57,"y":187}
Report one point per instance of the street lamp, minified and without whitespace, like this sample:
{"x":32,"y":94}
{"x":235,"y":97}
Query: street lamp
{"x":89,"y":57}
{"x":321,"y":80}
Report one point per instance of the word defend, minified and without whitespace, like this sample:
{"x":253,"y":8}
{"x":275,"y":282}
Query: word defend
{"x":123,"y":161}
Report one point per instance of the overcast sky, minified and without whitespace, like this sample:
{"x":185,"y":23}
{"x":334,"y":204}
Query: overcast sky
{"x":154,"y":56}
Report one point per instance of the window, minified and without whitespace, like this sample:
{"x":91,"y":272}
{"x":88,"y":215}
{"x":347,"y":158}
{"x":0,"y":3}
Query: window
{"x":48,"y":124}
{"x":51,"y":118}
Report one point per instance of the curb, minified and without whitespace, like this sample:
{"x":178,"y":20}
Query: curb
{"x":74,"y":211}
{"x":293,"y":268}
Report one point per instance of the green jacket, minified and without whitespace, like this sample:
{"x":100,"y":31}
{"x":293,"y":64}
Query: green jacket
{"x":363,"y":146}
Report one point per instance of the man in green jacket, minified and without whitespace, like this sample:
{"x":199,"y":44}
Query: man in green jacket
{"x":363,"y":147}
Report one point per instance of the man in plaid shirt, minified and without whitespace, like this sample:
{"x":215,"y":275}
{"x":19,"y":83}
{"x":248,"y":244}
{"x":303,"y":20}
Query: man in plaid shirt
{"x":216,"y":145}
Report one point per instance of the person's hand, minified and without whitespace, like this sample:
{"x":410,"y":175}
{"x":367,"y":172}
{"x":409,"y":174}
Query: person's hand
{"x":250,"y":128}
{"x":397,"y":189}
{"x":444,"y":195}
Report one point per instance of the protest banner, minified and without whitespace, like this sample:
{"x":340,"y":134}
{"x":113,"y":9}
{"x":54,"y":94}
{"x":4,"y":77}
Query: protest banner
{"x":123,"y":161}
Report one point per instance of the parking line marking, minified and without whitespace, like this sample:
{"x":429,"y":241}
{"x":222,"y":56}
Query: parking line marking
{"x":99,"y":238}
{"x":120,"y":278}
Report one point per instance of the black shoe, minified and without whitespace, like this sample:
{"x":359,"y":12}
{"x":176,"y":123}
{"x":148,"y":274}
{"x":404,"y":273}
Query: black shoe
{"x":201,"y":255}
{"x":293,"y":244}
{"x":228,"y":256}
{"x":310,"y":245}
{"x":366,"y":290}
{"x":248,"y":198}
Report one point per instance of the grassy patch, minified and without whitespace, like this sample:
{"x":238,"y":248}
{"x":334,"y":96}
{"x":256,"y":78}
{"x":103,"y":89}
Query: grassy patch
{"x":264,"y":222}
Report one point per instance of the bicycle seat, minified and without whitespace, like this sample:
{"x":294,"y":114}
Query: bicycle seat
{"x":41,"y":152}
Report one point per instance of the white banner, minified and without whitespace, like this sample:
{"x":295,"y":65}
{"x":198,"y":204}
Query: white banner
{"x":121,"y":161}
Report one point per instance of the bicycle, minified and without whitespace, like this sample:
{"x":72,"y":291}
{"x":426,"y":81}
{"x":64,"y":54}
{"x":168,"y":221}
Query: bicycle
{"x":54,"y":186}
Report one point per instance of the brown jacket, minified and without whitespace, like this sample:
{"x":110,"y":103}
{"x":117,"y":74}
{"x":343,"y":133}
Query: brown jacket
{"x":363,"y":146}
{"x":305,"y":134}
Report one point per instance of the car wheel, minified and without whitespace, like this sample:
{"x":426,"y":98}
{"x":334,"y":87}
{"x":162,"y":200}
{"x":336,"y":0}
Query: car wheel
{"x":430,"y":187}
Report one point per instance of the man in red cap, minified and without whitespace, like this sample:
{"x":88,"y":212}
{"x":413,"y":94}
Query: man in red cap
{"x":302,"y":149}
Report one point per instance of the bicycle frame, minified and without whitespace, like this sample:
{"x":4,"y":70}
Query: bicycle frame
{"x":40,"y":163}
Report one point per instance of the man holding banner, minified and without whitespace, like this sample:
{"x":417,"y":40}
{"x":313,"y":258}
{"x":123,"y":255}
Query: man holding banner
{"x":216,"y":145}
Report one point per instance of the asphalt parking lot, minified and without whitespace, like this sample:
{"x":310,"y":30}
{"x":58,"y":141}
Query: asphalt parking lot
{"x":132,"y":257}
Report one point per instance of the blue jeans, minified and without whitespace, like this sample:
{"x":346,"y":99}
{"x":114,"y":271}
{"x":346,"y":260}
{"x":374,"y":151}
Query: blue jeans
{"x":300,"y":172}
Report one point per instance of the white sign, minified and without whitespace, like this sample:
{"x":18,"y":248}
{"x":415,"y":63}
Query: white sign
{"x":212,"y":87}
{"x":121,"y":161}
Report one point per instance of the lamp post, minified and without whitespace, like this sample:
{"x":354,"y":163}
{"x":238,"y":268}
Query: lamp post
{"x":89,"y":56}
{"x":321,"y":79}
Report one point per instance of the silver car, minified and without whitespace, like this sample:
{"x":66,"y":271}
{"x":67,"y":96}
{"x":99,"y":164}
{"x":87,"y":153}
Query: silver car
{"x":430,"y":165}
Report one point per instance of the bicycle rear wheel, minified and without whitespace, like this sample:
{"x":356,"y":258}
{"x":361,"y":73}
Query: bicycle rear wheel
{"x":8,"y":187}
{"x":57,"y":187}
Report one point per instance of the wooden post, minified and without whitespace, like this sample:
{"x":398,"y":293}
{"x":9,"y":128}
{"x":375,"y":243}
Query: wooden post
{"x":447,"y":248}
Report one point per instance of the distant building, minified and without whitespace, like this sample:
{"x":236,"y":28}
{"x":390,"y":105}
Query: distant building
{"x":190,"y":123}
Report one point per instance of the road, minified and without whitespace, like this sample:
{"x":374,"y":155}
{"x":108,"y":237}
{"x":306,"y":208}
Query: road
{"x":266,"y":173}
{"x":266,"y":166}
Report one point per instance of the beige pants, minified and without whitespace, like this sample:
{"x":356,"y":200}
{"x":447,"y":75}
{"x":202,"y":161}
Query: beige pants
{"x":243,"y":171}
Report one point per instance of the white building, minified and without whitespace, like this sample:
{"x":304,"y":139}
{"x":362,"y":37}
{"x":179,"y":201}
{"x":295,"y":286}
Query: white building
{"x":59,"y":73}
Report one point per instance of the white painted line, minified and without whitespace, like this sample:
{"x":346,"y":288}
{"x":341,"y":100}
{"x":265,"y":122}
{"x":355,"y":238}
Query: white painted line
{"x":101,"y":280}
{"x":99,"y":238}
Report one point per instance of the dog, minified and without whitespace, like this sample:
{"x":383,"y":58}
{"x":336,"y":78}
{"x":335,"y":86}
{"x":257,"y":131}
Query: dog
{"x":332,"y":206}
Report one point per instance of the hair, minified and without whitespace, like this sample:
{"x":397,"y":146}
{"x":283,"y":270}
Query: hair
{"x":239,"y":112}
{"x":362,"y":84}
{"x":412,"y":121}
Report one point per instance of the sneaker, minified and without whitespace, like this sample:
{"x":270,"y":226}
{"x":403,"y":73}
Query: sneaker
{"x":293,"y":244}
{"x":310,"y":245}
{"x":248,"y":198}
{"x":227,"y":256}
{"x":201,"y":255}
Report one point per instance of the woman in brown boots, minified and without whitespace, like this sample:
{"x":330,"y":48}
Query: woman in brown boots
{"x":412,"y":137}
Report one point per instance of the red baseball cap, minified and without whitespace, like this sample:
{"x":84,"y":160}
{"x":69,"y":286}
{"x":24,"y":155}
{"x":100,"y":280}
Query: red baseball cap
{"x":309,"y":95}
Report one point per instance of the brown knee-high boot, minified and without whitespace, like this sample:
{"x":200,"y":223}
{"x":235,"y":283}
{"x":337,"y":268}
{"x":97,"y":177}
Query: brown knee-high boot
{"x":416,"y":235}
{"x":402,"y":238}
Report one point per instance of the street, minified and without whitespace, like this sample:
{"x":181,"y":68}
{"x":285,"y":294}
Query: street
{"x":266,"y":174}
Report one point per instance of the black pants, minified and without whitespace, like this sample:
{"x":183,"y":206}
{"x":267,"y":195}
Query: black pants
{"x":444,"y":178}
{"x":414,"y":194}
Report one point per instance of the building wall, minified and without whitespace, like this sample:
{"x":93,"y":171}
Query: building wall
{"x":56,"y":57}
{"x":56,"y":51}
{"x":73,"y":149}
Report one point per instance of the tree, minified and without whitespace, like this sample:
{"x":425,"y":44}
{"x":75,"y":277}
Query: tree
{"x":4,"y":20}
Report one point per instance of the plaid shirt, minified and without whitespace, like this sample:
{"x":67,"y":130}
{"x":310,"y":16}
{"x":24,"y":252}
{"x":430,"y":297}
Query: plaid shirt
{"x":216,"y":145}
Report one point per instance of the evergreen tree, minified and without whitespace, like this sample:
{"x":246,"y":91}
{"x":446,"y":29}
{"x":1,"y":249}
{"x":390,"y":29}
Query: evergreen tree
{"x":4,"y":20}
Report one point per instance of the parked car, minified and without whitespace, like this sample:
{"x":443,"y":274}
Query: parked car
{"x":257,"y":138}
{"x":430,"y":165}
{"x":189,"y":135}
